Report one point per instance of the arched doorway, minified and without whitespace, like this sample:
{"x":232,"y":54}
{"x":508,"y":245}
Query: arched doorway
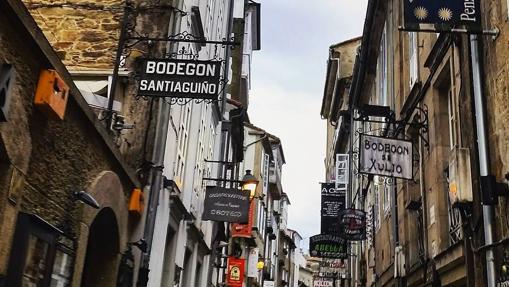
{"x":102,"y":257}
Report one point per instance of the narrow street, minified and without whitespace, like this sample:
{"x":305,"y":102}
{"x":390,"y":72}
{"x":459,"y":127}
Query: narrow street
{"x":241,"y":143}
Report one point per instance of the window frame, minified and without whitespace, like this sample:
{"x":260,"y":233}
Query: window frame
{"x":31,"y":225}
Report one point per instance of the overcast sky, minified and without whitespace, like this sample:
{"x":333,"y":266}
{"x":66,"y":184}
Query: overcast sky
{"x":287,"y":89}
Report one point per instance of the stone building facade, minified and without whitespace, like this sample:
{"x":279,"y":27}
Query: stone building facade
{"x":417,"y":234}
{"x":49,"y":235}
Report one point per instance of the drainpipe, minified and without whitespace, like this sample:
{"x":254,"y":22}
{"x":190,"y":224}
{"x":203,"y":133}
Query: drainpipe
{"x":482,"y":146}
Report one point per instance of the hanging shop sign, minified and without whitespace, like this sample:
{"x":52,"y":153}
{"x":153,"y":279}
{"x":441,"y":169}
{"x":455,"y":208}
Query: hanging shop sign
{"x":323,"y":282}
{"x":352,"y":224}
{"x":443,"y":16}
{"x":236,"y":269}
{"x":245,"y":230}
{"x":180,"y":78}
{"x":226,"y":205}
{"x":252,"y":263}
{"x":386,"y":157}
{"x":328,"y":246}
{"x":333,"y":201}
{"x":335,"y":268}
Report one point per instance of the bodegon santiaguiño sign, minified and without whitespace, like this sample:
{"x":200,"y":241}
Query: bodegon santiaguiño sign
{"x":386,"y":157}
{"x":180,"y":78}
{"x":352,"y":224}
{"x":333,"y":201}
{"x":328,"y":246}
{"x":226,"y":205}
{"x":443,"y":16}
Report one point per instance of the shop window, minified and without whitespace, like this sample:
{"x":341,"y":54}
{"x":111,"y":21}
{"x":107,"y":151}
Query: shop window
{"x":37,"y":257}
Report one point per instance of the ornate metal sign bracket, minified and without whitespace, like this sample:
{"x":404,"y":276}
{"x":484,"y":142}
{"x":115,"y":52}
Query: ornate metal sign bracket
{"x":132,"y":41}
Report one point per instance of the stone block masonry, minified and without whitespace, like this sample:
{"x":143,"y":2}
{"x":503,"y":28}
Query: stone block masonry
{"x":84,"y":33}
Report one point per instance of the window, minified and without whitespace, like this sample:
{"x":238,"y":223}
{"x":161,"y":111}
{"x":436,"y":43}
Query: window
{"x":382,"y":89}
{"x":413,"y":55}
{"x":376,"y":212}
{"x":387,"y":198}
{"x":183,"y":142}
{"x":451,"y":110}
{"x":37,"y":258}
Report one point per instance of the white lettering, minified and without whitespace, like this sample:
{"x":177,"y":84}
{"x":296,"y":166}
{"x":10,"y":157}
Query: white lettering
{"x":151,"y":67}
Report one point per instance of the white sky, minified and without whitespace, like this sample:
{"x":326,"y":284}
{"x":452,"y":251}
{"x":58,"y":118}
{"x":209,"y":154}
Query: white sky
{"x":287,"y":90}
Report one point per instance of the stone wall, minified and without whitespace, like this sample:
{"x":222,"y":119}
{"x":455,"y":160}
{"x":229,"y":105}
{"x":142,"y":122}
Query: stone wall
{"x":496,"y":69}
{"x":85,"y":33}
{"x":42,"y":160}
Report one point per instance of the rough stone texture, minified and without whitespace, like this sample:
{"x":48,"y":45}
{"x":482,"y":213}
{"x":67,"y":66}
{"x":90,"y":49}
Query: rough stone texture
{"x":496,"y":68}
{"x":86,"y":32}
{"x":54,"y":157}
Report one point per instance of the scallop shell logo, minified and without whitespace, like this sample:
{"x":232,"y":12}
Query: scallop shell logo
{"x":445,"y":14}
{"x":421,"y":13}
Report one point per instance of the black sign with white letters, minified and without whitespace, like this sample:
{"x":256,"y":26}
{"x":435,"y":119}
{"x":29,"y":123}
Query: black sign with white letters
{"x":180,"y":78}
{"x":226,"y":205}
{"x":333,"y":201}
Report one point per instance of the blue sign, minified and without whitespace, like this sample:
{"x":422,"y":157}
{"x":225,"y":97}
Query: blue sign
{"x":443,"y":15}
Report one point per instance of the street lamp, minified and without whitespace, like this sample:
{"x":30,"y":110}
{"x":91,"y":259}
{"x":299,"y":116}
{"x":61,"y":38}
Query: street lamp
{"x":249,"y":183}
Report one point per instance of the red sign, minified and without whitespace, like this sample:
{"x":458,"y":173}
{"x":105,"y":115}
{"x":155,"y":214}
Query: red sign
{"x":244,"y":230}
{"x":236,"y":269}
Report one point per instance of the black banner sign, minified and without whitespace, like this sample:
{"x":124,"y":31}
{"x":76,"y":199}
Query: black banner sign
{"x":443,"y":15}
{"x":180,"y":78}
{"x":328,"y":246}
{"x":353,"y":224}
{"x":226,"y":204}
{"x":333,"y":201}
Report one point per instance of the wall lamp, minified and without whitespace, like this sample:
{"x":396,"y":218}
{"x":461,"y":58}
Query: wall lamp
{"x":250,"y":183}
{"x":86,"y":199}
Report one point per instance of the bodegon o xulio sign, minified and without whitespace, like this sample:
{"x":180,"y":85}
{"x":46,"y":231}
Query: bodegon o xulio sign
{"x":386,"y":157}
{"x":180,"y":78}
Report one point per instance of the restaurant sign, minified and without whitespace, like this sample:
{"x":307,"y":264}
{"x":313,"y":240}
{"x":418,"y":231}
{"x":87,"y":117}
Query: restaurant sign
{"x":226,"y":205}
{"x":386,"y":157}
{"x":353,"y":224}
{"x":333,"y":201}
{"x":180,"y":78}
{"x":328,"y":246}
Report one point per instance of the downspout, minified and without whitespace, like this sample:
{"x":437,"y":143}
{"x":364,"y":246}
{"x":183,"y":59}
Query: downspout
{"x":484,"y":160}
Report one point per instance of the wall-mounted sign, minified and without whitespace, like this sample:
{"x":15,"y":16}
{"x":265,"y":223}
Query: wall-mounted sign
{"x":245,"y":230}
{"x":333,"y":201}
{"x":226,"y":205}
{"x":180,"y":78}
{"x":235,"y":271}
{"x":323,"y":282}
{"x":328,"y":246}
{"x":443,"y":16}
{"x":353,"y":224}
{"x":386,"y":157}
{"x":268,"y":283}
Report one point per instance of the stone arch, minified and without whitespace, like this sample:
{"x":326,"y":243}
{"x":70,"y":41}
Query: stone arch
{"x":102,"y":256}
{"x":108,"y":191}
